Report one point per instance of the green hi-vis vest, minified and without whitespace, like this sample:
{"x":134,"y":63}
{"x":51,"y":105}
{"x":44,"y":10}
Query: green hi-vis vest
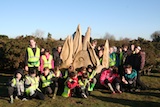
{"x":46,"y":81}
{"x":66,"y":92}
{"x":34,"y":85}
{"x":112,"y":60}
{"x":91,"y":76}
{"x":47,"y":62}
{"x":65,"y":74}
{"x":121,"y":58}
{"x":33,"y":60}
{"x":100,"y":60}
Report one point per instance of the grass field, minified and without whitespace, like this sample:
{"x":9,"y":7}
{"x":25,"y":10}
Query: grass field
{"x":98,"y":98}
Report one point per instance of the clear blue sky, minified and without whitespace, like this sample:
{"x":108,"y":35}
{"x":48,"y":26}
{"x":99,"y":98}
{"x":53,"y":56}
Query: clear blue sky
{"x":121,"y":18}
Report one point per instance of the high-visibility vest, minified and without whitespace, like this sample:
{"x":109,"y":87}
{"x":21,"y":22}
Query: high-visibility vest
{"x":58,"y":74}
{"x":14,"y":82}
{"x":66,"y":92}
{"x":112,"y":59}
{"x":65,"y":74}
{"x":34,"y":84}
{"x":33,"y":60}
{"x":100,"y":60}
{"x":83,"y":84}
{"x":91,"y":76}
{"x":46,"y":81}
{"x":47,"y":62}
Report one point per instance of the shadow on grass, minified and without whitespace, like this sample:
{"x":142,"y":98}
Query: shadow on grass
{"x":151,"y":75}
{"x":126,"y":102}
{"x":4,"y":80}
{"x":148,"y":94}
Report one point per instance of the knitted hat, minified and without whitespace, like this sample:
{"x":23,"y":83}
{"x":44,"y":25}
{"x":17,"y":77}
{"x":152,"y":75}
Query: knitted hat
{"x":19,"y":71}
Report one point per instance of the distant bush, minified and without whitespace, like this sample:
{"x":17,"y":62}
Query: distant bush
{"x":12,"y":51}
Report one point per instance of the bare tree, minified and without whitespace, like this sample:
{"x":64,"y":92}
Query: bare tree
{"x":38,"y":33}
{"x":109,"y":36}
{"x":156,"y":36}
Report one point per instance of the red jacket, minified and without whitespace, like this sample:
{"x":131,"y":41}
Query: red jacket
{"x":72,"y":82}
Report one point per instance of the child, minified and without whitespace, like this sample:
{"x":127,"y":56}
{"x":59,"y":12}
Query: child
{"x":83,"y":85}
{"x":66,"y":73}
{"x":46,"y":61}
{"x":71,"y":85}
{"x":57,"y":75}
{"x":16,"y":87}
{"x":32,"y":84}
{"x":47,"y":80}
{"x":82,"y":71}
{"x":91,"y":76}
{"x":129,"y":78}
{"x":110,"y":78}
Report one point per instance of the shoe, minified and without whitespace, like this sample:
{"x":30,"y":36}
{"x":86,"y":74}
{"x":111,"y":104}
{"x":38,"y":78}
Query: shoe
{"x":137,"y":90}
{"x":54,"y":97}
{"x":11,"y":99}
{"x":84,"y":95}
{"x":24,"y":99}
{"x":113,"y":92}
{"x":120,"y":92}
{"x":16,"y":98}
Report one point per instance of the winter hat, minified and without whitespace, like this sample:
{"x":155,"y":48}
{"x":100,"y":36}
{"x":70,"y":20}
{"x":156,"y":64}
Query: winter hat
{"x":19,"y":71}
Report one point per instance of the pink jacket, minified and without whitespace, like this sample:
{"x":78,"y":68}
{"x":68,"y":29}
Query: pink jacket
{"x":107,"y":74}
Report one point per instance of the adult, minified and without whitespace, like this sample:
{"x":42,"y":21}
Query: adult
{"x":32,"y":57}
{"x":112,"y":59}
{"x":56,"y":55}
{"x":137,"y":63}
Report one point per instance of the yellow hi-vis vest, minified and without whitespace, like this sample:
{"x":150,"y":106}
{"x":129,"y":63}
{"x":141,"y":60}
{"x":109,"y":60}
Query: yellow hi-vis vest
{"x":33,"y":60}
{"x":46,"y":81}
{"x":47,"y":63}
{"x":34,"y":85}
{"x":58,"y":74}
{"x":84,"y":83}
{"x":91,"y":76}
{"x":67,"y":90}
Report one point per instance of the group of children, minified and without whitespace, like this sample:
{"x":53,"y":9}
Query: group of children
{"x":34,"y":85}
{"x":111,"y":79}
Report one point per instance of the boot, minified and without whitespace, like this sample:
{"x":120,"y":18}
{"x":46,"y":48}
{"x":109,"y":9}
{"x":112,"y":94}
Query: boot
{"x":91,"y":87}
{"x":16,"y":97}
{"x":11,"y":99}
{"x":55,"y":93}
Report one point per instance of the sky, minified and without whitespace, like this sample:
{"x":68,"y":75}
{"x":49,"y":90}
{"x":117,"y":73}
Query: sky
{"x":121,"y":18}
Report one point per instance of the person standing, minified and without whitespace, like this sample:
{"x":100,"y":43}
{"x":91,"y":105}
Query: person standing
{"x":46,"y":61}
{"x":56,"y":55}
{"x":32,"y":57}
{"x":138,"y":64}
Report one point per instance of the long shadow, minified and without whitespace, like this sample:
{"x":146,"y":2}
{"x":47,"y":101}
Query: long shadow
{"x":126,"y":102}
{"x":148,"y":94}
{"x":151,"y":75}
{"x":4,"y":80}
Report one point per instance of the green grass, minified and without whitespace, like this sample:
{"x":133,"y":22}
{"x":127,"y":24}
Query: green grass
{"x":98,"y":98}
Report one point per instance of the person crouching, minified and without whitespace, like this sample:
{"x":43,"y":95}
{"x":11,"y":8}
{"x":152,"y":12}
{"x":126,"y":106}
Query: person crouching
{"x":71,"y":85}
{"x":110,"y":78}
{"x":16,"y":87}
{"x":83,"y":85}
{"x":31,"y":85}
